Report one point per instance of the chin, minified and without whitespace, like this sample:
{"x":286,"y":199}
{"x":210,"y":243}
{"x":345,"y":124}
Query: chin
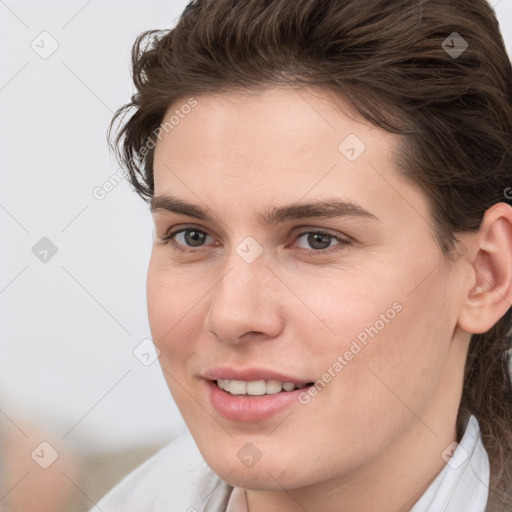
{"x":259,"y":479}
{"x":264,"y":475}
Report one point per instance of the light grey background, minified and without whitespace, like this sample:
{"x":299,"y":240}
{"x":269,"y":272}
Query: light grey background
{"x":70,"y":325}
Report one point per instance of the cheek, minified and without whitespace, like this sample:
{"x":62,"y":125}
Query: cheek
{"x":173,"y":310}
{"x":395,"y":349}
{"x":390,"y":337}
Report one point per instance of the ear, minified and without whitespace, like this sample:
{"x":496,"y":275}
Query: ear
{"x":489,"y":292}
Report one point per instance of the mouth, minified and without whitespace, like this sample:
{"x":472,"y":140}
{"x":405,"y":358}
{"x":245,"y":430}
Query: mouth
{"x":253,"y":401}
{"x":255,"y":388}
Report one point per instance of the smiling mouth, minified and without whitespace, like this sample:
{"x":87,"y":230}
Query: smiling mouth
{"x":257,"y":387}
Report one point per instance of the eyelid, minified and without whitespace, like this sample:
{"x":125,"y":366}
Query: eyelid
{"x":310,"y":229}
{"x":177,"y":228}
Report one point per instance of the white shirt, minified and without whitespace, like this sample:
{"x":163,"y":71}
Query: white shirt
{"x":177,"y":479}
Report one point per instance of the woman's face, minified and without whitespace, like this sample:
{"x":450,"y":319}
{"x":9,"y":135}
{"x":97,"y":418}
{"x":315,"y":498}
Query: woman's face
{"x":352,"y":294}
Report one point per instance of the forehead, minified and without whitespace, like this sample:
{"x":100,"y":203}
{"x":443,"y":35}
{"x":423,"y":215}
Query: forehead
{"x":270,"y":128}
{"x":278,"y":145}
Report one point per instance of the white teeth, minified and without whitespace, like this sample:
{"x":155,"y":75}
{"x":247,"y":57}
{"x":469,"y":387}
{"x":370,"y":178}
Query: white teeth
{"x":256,"y":387}
{"x":237,"y":387}
{"x":273,"y":386}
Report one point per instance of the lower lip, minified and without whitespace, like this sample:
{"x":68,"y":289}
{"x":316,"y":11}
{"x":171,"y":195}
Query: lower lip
{"x":254,"y":408}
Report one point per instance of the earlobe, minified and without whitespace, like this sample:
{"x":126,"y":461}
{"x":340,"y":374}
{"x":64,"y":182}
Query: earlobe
{"x":489,"y":291}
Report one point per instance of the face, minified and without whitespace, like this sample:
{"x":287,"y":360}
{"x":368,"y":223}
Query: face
{"x":306,"y":259}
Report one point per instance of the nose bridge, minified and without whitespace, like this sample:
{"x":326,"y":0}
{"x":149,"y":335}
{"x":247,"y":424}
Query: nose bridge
{"x":244,"y":284}
{"x":241,"y":301}
{"x":246,"y":273}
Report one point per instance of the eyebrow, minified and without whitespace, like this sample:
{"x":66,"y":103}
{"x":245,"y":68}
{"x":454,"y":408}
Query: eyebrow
{"x":329,"y":208}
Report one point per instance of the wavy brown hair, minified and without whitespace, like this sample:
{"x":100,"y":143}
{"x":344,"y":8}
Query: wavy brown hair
{"x":390,"y":60}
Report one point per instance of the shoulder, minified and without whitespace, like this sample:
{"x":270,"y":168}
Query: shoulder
{"x":175,"y":476}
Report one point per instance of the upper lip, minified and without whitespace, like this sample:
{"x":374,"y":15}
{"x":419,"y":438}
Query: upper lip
{"x":250,"y":374}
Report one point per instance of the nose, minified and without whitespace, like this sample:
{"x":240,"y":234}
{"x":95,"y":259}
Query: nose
{"x":245,"y":304}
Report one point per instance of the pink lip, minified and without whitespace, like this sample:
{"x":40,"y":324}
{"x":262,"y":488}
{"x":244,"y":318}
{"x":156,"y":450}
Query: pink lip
{"x":251,"y":374}
{"x":250,"y":409}
{"x":255,"y":408}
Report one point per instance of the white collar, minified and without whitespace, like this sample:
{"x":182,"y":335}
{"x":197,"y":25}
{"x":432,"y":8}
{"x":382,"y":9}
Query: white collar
{"x":463,"y":484}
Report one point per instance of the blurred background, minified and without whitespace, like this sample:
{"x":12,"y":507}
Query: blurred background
{"x":82,"y":398}
{"x":77,"y":367}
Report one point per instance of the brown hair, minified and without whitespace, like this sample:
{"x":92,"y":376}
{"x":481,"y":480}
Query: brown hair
{"x":395,"y":62}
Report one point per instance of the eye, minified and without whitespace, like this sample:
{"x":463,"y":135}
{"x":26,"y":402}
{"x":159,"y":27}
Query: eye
{"x":186,"y":239}
{"x":321,"y":242}
{"x":191,"y":240}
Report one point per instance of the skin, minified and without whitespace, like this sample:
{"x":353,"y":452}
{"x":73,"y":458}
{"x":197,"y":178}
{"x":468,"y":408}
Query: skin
{"x":373,"y":437}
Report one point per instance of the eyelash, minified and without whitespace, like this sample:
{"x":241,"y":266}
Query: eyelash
{"x":169,"y":239}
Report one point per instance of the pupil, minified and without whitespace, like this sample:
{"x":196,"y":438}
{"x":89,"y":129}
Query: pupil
{"x":194,"y":238}
{"x":314,"y":238}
